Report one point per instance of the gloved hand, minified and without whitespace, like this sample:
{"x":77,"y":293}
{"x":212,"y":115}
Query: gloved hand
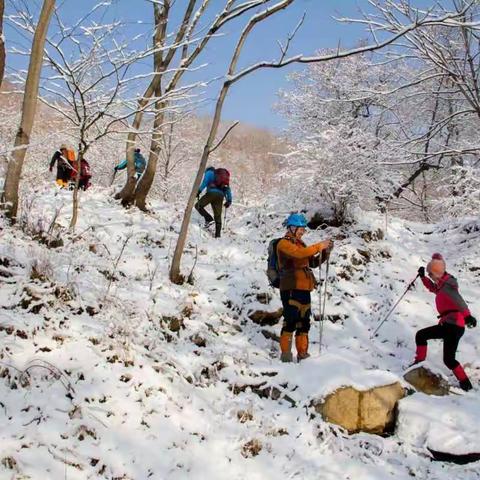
{"x":421,"y":272}
{"x":50,"y":168}
{"x":327,"y":245}
{"x":116,"y":169}
{"x":198,"y":195}
{"x":470,"y":322}
{"x":227,"y":204}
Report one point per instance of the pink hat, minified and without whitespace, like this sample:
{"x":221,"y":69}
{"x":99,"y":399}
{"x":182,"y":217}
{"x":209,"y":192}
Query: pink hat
{"x":437,"y":265}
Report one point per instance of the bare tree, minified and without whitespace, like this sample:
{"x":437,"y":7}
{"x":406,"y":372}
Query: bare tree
{"x":234,"y":76}
{"x":22,"y":139}
{"x":2,"y":43}
{"x":189,"y":42}
{"x":447,"y":50}
{"x":87,"y":80}
{"x":447,"y":58}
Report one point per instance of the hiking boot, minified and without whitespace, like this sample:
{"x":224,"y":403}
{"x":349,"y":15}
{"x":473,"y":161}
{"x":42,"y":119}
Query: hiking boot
{"x":420,"y":354}
{"x":302,"y":356}
{"x":466,"y":385}
{"x":301,"y":343}
{"x":286,"y":346}
{"x":286,"y":357}
{"x":208,"y":223}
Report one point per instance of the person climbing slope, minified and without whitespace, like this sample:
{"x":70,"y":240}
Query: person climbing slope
{"x":140,"y":164}
{"x":295,"y":261}
{"x":453,"y":316}
{"x":64,"y":157}
{"x":217,"y":183}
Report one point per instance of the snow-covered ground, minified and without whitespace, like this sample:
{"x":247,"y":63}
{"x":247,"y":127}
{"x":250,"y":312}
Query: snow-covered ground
{"x":130,"y":377}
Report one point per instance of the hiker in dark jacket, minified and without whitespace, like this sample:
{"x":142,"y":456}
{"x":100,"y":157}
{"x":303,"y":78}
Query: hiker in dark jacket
{"x":64,"y":168}
{"x":295,"y":261}
{"x":453,"y":316}
{"x":217,"y":183}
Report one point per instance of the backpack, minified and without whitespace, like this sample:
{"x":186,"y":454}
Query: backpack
{"x":70,"y":155}
{"x":273,"y":270}
{"x":140,"y":162}
{"x":222,"y":178}
{"x":85,"y":170}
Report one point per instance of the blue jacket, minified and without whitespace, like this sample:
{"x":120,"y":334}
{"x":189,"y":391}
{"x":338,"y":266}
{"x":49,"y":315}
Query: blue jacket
{"x":209,"y":183}
{"x":140,"y":163}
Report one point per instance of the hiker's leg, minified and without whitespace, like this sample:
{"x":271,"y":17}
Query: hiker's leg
{"x":452,"y":337}
{"x":200,"y":207}
{"x":65,"y":175}
{"x":303,"y":303}
{"x":290,"y":315}
{"x":217,"y":206}
{"x":422,"y":337}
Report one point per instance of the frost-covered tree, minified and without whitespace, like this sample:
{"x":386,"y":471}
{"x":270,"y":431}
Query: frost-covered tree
{"x":88,"y":77}
{"x":177,"y":48}
{"x":341,"y":129}
{"x":446,"y":58}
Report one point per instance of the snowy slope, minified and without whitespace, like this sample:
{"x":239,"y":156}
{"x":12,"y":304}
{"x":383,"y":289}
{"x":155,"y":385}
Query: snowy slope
{"x":131,"y":377}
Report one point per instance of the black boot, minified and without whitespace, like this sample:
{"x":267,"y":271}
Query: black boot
{"x":218,"y":230}
{"x":466,"y":385}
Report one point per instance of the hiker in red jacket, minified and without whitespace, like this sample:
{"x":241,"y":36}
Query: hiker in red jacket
{"x":453,"y":314}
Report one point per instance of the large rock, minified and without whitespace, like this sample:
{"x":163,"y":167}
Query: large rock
{"x":371,"y":411}
{"x":425,"y":381}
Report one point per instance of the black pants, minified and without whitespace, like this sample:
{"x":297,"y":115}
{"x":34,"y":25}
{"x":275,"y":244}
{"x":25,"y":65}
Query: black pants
{"x":215,"y":199}
{"x":63,"y":172}
{"x":450,"y":334}
{"x":296,"y":311}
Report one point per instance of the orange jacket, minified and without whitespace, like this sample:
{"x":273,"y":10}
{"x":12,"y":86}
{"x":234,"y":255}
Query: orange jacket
{"x":295,"y":260}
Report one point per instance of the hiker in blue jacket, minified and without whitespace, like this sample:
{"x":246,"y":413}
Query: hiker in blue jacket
{"x":217,"y":183}
{"x":140,"y":164}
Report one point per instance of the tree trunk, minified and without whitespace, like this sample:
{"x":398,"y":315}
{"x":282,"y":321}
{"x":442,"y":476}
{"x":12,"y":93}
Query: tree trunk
{"x":145,"y":183}
{"x":175,"y":275}
{"x":22,"y":139}
{"x":129,"y":191}
{"x":127,"y":194}
{"x":2,"y":43}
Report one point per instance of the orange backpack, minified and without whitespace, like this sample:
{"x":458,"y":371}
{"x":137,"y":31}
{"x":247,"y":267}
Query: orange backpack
{"x":70,"y":155}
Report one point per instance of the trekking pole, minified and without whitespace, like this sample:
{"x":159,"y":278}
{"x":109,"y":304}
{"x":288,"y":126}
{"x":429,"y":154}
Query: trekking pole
{"x":410,"y":285}
{"x":113,"y":177}
{"x":225,"y":219}
{"x":322,"y":313}
{"x":320,"y":308}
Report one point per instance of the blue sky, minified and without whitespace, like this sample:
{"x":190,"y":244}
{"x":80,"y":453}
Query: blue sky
{"x":251,"y":99}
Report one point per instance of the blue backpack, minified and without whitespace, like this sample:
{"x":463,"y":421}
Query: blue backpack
{"x":140,"y":162}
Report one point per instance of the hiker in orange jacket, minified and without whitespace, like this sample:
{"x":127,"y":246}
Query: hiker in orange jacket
{"x":64,"y":167}
{"x":295,"y":261}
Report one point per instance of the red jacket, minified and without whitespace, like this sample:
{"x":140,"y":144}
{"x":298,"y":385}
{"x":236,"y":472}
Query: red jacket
{"x":450,"y":304}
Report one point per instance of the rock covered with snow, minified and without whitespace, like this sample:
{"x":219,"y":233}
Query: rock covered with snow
{"x":426,"y":381}
{"x":440,"y":424}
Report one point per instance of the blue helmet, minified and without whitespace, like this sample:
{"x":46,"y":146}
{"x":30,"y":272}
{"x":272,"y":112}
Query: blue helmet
{"x":296,"y":220}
